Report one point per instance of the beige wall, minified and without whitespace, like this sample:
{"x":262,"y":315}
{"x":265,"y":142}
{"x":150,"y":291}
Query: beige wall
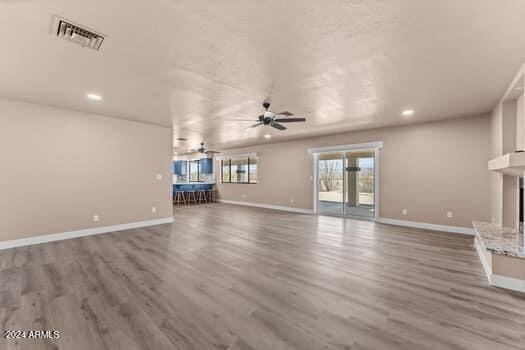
{"x":427,"y":168}
{"x":496,"y":179}
{"x":59,"y":167}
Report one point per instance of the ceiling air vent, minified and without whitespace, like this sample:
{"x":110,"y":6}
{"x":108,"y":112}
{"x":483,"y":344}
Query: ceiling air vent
{"x":82,"y":36}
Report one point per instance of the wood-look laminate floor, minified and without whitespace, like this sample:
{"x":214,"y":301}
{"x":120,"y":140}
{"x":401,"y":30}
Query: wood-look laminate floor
{"x":229,"y":277}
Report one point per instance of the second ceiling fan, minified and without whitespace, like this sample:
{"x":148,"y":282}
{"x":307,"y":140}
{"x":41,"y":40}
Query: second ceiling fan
{"x":274,"y":119}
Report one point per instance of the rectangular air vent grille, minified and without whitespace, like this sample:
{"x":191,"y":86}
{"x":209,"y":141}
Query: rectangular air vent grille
{"x":79,"y":35}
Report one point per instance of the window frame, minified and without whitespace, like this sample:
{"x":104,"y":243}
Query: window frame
{"x":229,"y":166}
{"x":198,"y":161}
{"x":186,"y":171}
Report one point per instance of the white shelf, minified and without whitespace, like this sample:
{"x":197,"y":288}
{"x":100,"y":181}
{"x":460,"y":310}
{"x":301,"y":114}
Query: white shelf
{"x":510,"y":164}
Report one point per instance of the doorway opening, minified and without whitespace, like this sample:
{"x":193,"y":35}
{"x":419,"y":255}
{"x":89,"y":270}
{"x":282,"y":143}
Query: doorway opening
{"x":346,"y":182}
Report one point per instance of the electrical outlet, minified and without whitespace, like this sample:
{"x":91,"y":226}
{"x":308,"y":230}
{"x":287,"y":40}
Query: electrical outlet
{"x":243,"y":195}
{"x":158,"y":177}
{"x":96,"y":218}
{"x":153,"y":209}
{"x":404,"y":211}
{"x":450,"y":215}
{"x":292,"y":200}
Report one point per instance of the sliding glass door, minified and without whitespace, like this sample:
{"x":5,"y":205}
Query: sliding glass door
{"x":346,"y":183}
{"x":331,"y":183}
{"x":359,"y":194}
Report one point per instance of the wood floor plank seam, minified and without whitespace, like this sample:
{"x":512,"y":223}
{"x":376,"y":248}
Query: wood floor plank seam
{"x":242,"y":278}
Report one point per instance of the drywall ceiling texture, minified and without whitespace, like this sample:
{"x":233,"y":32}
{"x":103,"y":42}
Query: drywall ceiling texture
{"x":428,"y":169}
{"x":60,"y":167}
{"x":345,"y":65}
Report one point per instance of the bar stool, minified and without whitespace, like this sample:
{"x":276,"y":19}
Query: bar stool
{"x":201,"y":196}
{"x":179,"y":198}
{"x":210,"y":196}
{"x":190,"y":197}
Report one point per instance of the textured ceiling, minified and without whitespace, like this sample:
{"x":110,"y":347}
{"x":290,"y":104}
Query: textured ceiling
{"x":196,"y":65}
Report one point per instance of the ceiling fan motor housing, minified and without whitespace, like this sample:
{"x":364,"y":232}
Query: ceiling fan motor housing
{"x":266,"y":120}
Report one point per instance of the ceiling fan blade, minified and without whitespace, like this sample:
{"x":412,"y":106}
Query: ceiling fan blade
{"x":212,"y":152}
{"x":278,"y":126}
{"x":255,"y":125}
{"x":290,"y":120}
{"x":241,"y":120}
{"x":286,"y":113}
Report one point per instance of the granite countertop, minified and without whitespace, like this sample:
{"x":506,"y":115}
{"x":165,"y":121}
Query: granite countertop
{"x":500,"y":240}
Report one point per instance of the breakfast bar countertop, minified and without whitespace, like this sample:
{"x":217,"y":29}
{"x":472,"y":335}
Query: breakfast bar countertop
{"x":500,"y":240}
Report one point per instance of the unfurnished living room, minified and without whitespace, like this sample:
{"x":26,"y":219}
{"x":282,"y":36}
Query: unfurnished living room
{"x":240,"y":174}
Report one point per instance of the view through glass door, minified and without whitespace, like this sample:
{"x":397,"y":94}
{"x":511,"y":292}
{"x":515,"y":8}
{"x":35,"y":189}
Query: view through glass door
{"x":346,"y":183}
{"x":331,"y":176}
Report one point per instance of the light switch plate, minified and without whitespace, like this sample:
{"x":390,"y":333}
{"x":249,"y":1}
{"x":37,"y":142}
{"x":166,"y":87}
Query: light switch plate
{"x":96,"y":218}
{"x":158,"y":177}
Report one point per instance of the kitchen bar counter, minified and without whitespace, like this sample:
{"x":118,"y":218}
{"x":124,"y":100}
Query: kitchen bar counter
{"x":195,"y":183}
{"x":193,"y":186}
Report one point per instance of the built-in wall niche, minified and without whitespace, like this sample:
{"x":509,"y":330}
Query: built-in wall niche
{"x":510,"y":215}
{"x":513,"y":118}
{"x":513,"y":141}
{"x":509,"y":122}
{"x":509,"y":158}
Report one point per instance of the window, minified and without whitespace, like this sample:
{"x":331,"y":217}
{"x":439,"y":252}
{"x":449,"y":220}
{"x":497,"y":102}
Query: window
{"x":239,"y":170}
{"x":225,"y":166}
{"x":180,"y":169}
{"x":196,"y":170}
{"x":195,"y":175}
{"x":252,"y":171}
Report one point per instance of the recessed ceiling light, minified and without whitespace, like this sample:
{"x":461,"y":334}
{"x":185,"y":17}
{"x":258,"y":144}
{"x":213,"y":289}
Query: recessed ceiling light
{"x":267,"y":136}
{"x":407,"y":112}
{"x":94,"y":97}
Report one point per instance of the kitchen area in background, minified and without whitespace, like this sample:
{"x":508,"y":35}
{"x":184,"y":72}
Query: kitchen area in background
{"x":193,"y":179}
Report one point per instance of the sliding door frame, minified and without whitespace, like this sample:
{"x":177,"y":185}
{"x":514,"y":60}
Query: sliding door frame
{"x":314,"y":152}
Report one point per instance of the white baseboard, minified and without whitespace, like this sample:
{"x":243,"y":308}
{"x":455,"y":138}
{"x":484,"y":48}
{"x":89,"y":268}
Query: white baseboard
{"x":486,"y":267}
{"x":80,"y":233}
{"x":268,"y":206}
{"x":508,"y":283}
{"x":427,"y":226}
